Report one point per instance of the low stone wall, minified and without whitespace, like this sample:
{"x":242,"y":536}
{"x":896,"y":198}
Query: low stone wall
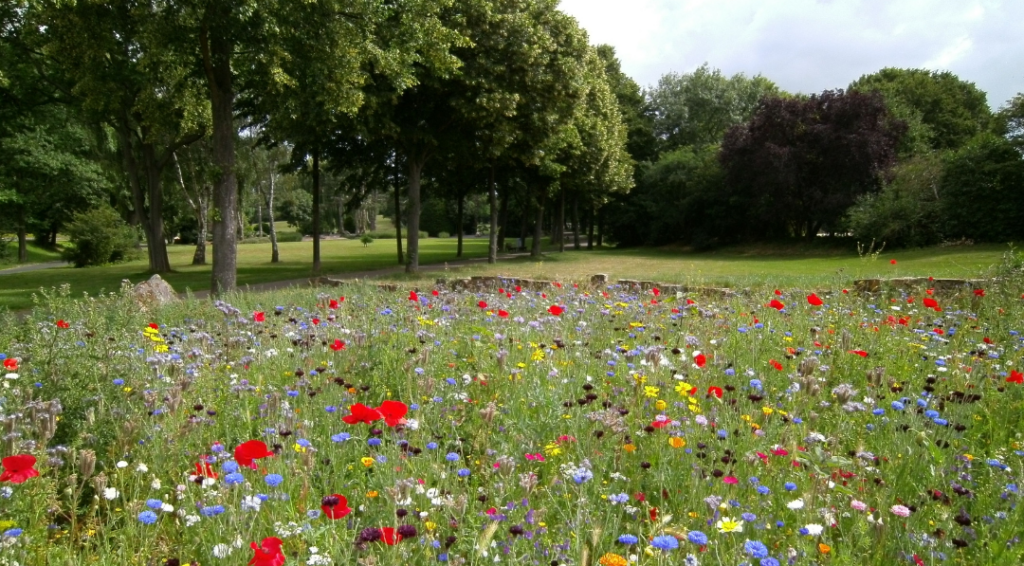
{"x":945,"y":285}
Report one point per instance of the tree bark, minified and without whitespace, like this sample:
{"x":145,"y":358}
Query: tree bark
{"x":600,"y":228}
{"x":590,"y":228}
{"x":576,"y":223}
{"x":538,"y":227}
{"x":199,"y":256}
{"x":503,"y":220}
{"x":461,"y":222}
{"x":316,"y":211}
{"x":156,"y":245}
{"x":22,"y":244}
{"x":412,"y":247}
{"x":561,"y":223}
{"x":275,"y":256}
{"x":492,"y":236}
{"x":398,"y":223}
{"x":217,"y":52}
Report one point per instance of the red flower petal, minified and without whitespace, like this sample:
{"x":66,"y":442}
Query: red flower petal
{"x":360,"y":413}
{"x":251,"y":450}
{"x":18,"y":468}
{"x":393,"y":412}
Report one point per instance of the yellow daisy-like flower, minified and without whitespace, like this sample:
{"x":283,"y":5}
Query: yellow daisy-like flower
{"x":537,"y":356}
{"x":651,"y":391}
{"x":552,"y":449}
{"x":612,"y":559}
{"x":660,"y":405}
{"x":767,"y":410}
{"x":683,"y":388}
{"x":727,"y":525}
{"x":629,"y":448}
{"x":367,"y":461}
{"x":299,"y":448}
{"x":161,"y":349}
{"x":676,"y":442}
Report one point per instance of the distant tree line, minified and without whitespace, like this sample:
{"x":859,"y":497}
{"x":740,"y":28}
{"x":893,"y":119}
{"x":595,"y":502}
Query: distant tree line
{"x":908,"y":157}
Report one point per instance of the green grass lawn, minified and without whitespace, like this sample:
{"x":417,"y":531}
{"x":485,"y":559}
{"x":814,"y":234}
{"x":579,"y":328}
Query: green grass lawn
{"x":746,"y":267}
{"x":338,"y":256}
{"x":36,"y":254}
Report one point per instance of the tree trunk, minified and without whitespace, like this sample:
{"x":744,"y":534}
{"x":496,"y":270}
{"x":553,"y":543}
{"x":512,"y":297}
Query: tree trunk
{"x":590,"y":228}
{"x":538,"y":227}
{"x":259,"y":218}
{"x":316,"y":212}
{"x":217,"y":52}
{"x":275,"y":256}
{"x":373,"y":212}
{"x":199,"y":257}
{"x":461,"y":222}
{"x":576,"y":223}
{"x":22,"y":244}
{"x":503,"y":220}
{"x":600,"y":228}
{"x":156,"y":246}
{"x":240,"y":204}
{"x":412,"y":247}
{"x":492,"y":245}
{"x":561,"y":223}
{"x":398,"y":223}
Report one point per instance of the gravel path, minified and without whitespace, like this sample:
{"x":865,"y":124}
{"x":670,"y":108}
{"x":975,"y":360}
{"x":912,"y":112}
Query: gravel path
{"x":32,"y":267}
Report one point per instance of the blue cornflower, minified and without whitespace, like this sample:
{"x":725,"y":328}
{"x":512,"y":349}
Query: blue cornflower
{"x":118,"y":381}
{"x":340,"y":437}
{"x":452,"y":457}
{"x":463,"y":472}
{"x":147,"y":517}
{"x":763,"y":490}
{"x":154,"y":504}
{"x":790,"y":486}
{"x":11,"y":533}
{"x":803,"y":531}
{"x":697,"y":537}
{"x":373,"y":442}
{"x":756,"y":549}
{"x":443,"y":557}
{"x":665,"y":542}
{"x":723,"y":434}
{"x":330,"y":408}
{"x":748,"y":517}
{"x":878,"y":412}
{"x":582,"y":475}
{"x":229,"y":467}
{"x":234,"y":478}
{"x":756,"y":384}
{"x":431,"y":446}
{"x":619,"y":498}
{"x":313,"y":513}
{"x":274,"y":480}
{"x":303,"y":443}
{"x":754,"y":480}
{"x":897,"y":406}
{"x":628,"y":539}
{"x":211,"y":511}
{"x":769,"y":562}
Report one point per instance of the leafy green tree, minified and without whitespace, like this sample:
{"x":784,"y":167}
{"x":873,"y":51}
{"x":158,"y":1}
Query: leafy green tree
{"x":980,"y":194}
{"x":1009,"y":121}
{"x":907,"y":211}
{"x":636,"y":111}
{"x":697,"y":108}
{"x":942,"y":110}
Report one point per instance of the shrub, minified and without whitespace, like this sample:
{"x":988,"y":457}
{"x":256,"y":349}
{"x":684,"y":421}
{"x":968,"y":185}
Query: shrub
{"x":906,"y":212}
{"x":99,"y":236}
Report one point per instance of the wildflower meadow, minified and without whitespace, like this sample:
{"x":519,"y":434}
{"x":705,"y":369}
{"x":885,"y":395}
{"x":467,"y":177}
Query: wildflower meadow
{"x":573,"y":426}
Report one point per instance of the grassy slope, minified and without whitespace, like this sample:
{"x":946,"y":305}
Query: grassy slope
{"x":254,"y":266}
{"x":36,"y":254}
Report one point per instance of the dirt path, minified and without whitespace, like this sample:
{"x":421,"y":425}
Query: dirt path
{"x":32,"y":267}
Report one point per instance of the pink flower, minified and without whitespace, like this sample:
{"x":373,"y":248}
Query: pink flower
{"x":900,"y":511}
{"x":858,"y":505}
{"x":730,"y":480}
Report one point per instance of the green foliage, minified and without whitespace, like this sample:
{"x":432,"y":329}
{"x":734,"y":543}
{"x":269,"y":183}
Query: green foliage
{"x":98,"y":237}
{"x":434,"y":217}
{"x":697,"y":108}
{"x":981,"y":192}
{"x":943,"y":111}
{"x":907,"y":211}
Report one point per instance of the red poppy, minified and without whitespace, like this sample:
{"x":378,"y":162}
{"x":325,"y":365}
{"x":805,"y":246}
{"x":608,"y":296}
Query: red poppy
{"x":777,"y":304}
{"x":413,"y":296}
{"x":316,"y":322}
{"x":929,"y":291}
{"x":557,"y":284}
{"x":716,"y":391}
{"x":333,"y":304}
{"x":482,"y":304}
{"x":258,"y":316}
{"x":268,"y":553}
{"x":360,"y":413}
{"x":700,"y":360}
{"x":661,"y":423}
{"x":435,"y":292}
{"x":11,"y":364}
{"x":519,"y":289}
{"x":338,"y":345}
{"x":204,"y":469}
{"x":393,"y":412}
{"x":860,"y":353}
{"x":979,"y":292}
{"x":691,"y":302}
{"x":656,"y":291}
{"x":1015,"y":377}
{"x":986,"y":340}
{"x":814,"y":300}
{"x":503,"y":313}
{"x":335,"y":506}
{"x":389,"y":536}
{"x":778,"y":293}
{"x":154,"y":326}
{"x":247,"y":452}
{"x":18,"y":468}
{"x":892,"y":262}
{"x":556,"y":310}
{"x":341,"y":299}
{"x":62,"y":324}
{"x":775,"y":364}
{"x":501,"y":290}
{"x":932,"y":304}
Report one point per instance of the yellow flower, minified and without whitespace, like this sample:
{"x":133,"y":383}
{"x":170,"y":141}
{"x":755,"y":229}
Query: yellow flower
{"x":299,"y":448}
{"x":651,"y":391}
{"x":161,"y":349}
{"x":767,"y":410}
{"x":629,"y":448}
{"x":683,"y":388}
{"x":552,"y":449}
{"x":660,"y":405}
{"x":612,"y":559}
{"x":372,"y":494}
{"x":727,"y":525}
{"x":538,"y":355}
{"x":430,"y":525}
{"x":367,"y":461}
{"x":676,"y":442}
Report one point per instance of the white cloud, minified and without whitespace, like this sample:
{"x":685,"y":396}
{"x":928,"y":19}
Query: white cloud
{"x":809,"y":45}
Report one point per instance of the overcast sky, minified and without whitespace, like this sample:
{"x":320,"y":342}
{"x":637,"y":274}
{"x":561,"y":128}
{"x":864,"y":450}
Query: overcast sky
{"x":811,"y":45}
